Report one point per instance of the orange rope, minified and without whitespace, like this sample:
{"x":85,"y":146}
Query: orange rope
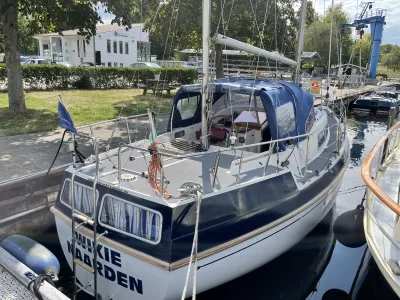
{"x":154,"y":169}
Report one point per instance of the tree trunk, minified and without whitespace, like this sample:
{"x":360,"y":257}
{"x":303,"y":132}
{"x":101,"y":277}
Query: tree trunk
{"x":9,"y":18}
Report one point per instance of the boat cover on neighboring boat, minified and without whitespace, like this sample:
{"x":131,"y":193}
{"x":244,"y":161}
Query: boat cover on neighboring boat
{"x":379,"y":102}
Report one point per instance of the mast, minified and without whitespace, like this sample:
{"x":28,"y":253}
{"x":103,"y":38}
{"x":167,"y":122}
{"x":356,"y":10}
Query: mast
{"x":300,"y":40}
{"x":206,"y":71}
{"x":328,"y":81}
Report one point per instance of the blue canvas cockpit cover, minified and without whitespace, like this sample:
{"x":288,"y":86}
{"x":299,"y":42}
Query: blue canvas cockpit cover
{"x":288,"y":108}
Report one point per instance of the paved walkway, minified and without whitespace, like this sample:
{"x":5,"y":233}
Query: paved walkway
{"x":27,"y":154}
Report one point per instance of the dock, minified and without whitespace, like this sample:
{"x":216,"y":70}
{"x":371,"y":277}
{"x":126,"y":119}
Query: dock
{"x":15,"y":278}
{"x":347,"y":95}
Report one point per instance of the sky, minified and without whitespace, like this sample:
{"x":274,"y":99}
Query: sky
{"x":391,"y":34}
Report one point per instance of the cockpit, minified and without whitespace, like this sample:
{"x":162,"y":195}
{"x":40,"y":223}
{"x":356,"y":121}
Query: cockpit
{"x":251,"y":112}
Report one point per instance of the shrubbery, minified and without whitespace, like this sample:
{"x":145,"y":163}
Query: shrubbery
{"x":60,"y":77}
{"x":383,"y":75}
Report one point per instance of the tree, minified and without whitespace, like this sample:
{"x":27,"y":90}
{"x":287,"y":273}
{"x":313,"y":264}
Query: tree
{"x":311,"y":14}
{"x":391,"y":60}
{"x":27,"y":43}
{"x":385,"y":49}
{"x":59,"y":15}
{"x":178,"y":25}
{"x":365,"y":45}
{"x":317,"y":36}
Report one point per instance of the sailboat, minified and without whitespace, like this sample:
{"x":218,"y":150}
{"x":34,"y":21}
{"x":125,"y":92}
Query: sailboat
{"x":247,"y":168}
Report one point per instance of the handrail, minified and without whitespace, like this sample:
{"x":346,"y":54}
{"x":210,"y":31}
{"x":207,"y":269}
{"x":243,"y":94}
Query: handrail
{"x":366,"y":172}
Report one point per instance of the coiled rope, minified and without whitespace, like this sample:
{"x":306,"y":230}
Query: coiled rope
{"x":155,"y":169}
{"x":36,"y":283}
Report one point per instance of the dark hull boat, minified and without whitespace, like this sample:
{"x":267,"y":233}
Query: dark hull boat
{"x":270,"y":174}
{"x":378,"y":103}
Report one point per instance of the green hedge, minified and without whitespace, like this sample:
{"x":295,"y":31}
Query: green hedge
{"x":60,"y":77}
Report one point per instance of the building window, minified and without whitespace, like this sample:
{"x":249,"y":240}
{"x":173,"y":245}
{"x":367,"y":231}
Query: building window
{"x":126,"y":48}
{"x":115,"y":46}
{"x":46,"y":50}
{"x":77,"y":45}
{"x":143,"y":51}
{"x":109,"y":64}
{"x":103,"y":64}
{"x":115,"y":64}
{"x":84,"y":48}
{"x":121,"y":49}
{"x":108,"y":46}
{"x":121,"y":64}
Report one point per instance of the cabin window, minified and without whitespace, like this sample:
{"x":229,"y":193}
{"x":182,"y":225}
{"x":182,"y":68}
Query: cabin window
{"x":82,"y":195}
{"x":310,"y":120}
{"x":285,"y":118}
{"x":186,"y":108}
{"x":131,"y":219}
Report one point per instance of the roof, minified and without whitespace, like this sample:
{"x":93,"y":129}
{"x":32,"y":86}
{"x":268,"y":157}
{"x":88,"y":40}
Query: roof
{"x":99,"y":29}
{"x":310,"y":55}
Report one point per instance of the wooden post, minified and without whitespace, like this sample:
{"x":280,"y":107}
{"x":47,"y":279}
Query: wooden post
{"x":386,"y":147}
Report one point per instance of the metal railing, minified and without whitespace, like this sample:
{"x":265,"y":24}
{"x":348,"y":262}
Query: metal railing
{"x":302,"y":166}
{"x":378,"y":12}
{"x":383,"y":153}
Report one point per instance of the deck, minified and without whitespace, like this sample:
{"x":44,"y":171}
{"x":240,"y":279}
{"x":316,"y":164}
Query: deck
{"x":348,"y":95}
{"x":178,"y":171}
{"x":11,"y":288}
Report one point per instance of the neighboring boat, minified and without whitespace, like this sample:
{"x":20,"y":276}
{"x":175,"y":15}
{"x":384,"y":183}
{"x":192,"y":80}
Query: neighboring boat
{"x":381,"y":218}
{"x":378,"y":102}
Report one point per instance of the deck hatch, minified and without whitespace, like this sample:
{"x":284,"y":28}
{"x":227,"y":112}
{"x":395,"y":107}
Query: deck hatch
{"x":131,"y":219}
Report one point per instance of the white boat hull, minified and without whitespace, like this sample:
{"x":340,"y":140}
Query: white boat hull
{"x":122,"y":276}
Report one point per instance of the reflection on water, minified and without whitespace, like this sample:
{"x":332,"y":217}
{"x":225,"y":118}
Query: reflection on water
{"x":319,"y":267}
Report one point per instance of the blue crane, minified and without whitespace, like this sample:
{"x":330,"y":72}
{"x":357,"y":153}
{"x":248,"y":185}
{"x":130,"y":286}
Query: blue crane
{"x":376,"y":19}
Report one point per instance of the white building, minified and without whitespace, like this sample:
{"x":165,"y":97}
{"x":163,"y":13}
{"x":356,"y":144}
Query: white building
{"x":113,"y":45}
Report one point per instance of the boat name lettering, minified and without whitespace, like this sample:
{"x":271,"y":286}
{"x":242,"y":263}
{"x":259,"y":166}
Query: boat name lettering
{"x":108,"y":255}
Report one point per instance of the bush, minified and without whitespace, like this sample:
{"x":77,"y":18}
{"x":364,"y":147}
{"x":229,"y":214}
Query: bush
{"x":61,"y":77}
{"x":384,"y":75}
{"x":83,"y":83}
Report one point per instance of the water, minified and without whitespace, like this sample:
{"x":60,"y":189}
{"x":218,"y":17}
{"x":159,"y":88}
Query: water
{"x":319,"y":267}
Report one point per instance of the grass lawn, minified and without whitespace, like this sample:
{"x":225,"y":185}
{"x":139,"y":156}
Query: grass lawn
{"x":85,"y":106}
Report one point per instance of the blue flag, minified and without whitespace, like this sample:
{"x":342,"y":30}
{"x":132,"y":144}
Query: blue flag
{"x":64,"y":119}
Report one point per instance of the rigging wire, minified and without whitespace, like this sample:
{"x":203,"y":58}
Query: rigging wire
{"x":165,"y":48}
